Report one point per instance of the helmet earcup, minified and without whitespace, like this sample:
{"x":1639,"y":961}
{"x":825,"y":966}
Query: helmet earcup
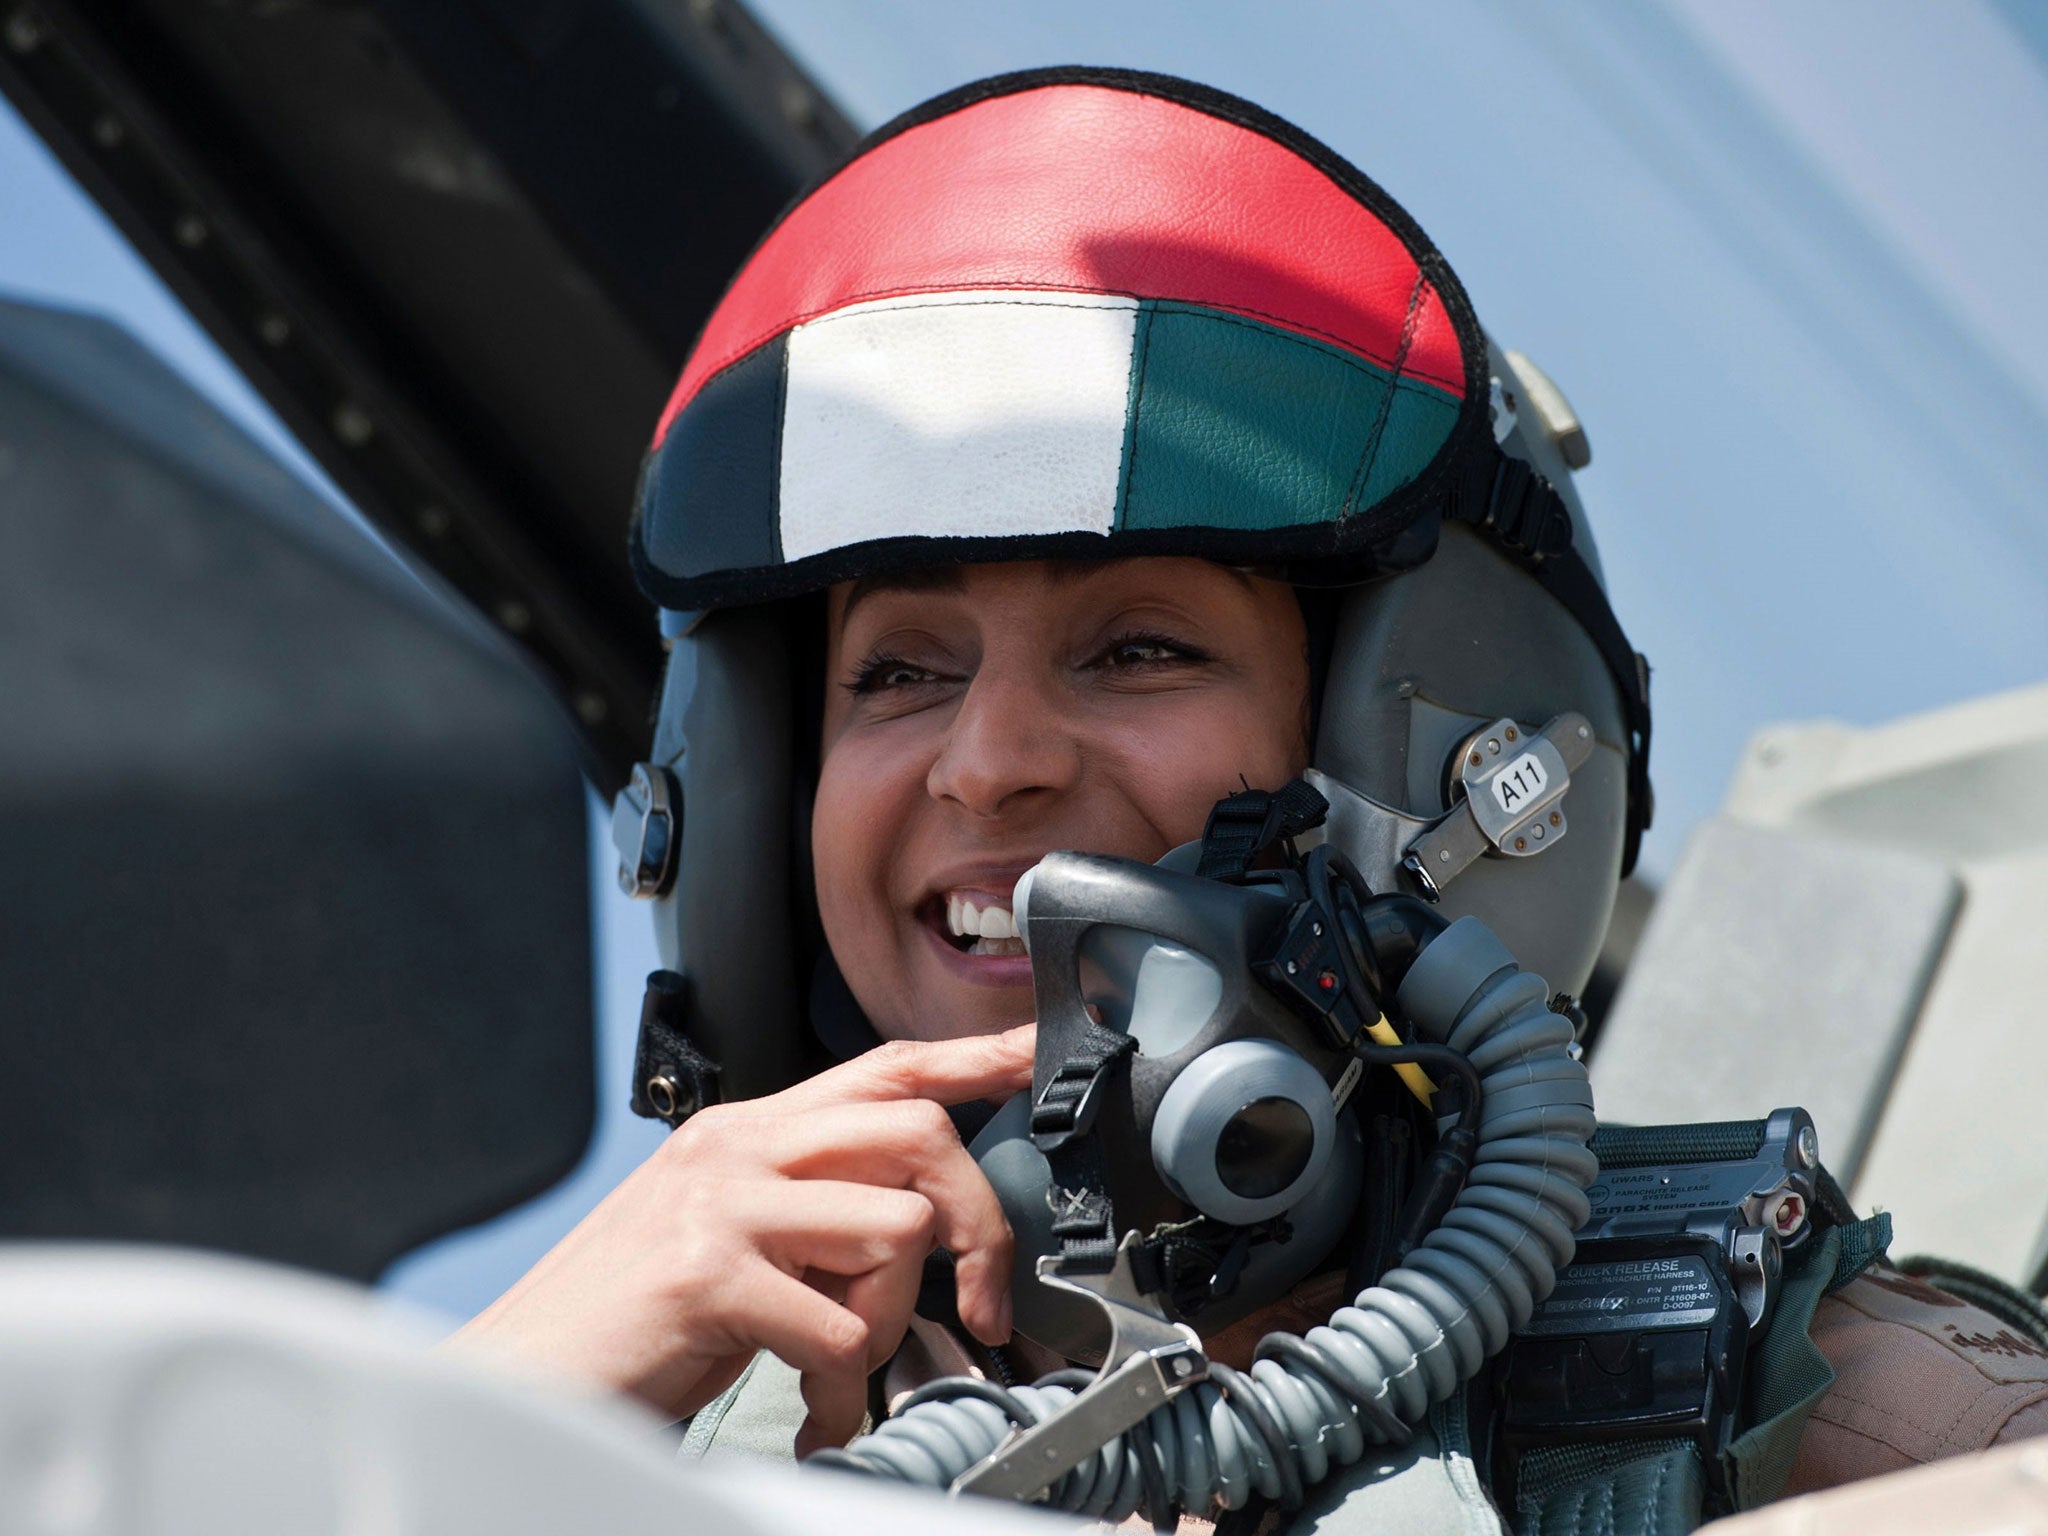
{"x":1422,"y":660}
{"x":726,"y":730}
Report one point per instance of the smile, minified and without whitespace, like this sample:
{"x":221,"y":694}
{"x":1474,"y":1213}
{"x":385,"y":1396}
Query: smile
{"x":986,"y":929}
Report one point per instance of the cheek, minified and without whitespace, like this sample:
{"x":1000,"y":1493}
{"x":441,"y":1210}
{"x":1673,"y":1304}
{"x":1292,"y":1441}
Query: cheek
{"x":867,"y":790}
{"x":846,"y":828}
{"x":1179,"y":762}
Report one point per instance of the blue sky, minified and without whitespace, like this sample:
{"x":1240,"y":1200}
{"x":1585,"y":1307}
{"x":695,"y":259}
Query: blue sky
{"x":1784,"y":260}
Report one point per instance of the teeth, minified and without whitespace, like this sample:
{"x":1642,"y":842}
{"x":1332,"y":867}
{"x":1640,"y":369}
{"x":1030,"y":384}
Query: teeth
{"x":996,"y":947}
{"x":964,"y":920}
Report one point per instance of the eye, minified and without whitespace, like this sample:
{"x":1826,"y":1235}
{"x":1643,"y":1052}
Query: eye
{"x":879,"y":674}
{"x":1143,"y":651}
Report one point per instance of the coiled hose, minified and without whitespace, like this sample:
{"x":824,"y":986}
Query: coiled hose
{"x":1311,"y":1405}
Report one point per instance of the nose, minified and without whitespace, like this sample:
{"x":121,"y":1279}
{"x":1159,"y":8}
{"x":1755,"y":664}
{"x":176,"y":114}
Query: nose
{"x":1009,"y":742}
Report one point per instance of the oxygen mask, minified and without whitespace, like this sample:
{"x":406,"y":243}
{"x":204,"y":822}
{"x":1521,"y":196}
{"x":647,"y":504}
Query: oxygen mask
{"x":1188,"y":1154}
{"x":1198,"y":1025}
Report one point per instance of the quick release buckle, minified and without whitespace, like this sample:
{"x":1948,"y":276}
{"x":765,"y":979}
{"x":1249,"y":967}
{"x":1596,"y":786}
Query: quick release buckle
{"x":1646,"y":1337}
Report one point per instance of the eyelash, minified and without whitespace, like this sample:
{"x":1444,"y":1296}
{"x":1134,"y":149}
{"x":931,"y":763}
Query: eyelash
{"x":867,"y":679}
{"x":1180,"y":653}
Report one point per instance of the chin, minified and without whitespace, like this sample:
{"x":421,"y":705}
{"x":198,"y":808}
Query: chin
{"x":943,"y":1014}
{"x":964,"y":1025}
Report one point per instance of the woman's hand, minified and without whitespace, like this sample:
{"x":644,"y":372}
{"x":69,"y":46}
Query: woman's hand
{"x":798,"y":1223}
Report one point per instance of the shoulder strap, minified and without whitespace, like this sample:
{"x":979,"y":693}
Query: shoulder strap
{"x":1655,"y":1489}
{"x":1788,"y":1373}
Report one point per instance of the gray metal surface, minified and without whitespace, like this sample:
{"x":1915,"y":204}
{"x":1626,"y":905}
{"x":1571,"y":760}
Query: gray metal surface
{"x":294,"y":882}
{"x":1960,"y":1156}
{"x":149,"y":1392}
{"x":1776,"y":968}
{"x":460,"y":246}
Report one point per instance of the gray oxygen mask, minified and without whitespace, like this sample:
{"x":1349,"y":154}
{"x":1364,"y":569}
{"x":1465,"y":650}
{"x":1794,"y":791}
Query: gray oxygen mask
{"x":1175,"y":1096}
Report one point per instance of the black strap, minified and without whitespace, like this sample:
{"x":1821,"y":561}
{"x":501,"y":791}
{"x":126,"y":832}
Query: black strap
{"x":1519,"y":510}
{"x":1066,"y":1108}
{"x":1083,"y":1221}
{"x":1704,"y":1141}
{"x":1245,"y":825}
{"x":1061,"y":1117}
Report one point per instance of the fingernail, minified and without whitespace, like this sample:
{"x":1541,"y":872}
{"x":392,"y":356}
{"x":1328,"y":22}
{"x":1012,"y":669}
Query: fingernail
{"x":1006,"y":1315}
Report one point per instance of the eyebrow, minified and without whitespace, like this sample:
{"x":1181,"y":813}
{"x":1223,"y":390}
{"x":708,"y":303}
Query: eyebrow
{"x":951,"y":578}
{"x":933,"y":578}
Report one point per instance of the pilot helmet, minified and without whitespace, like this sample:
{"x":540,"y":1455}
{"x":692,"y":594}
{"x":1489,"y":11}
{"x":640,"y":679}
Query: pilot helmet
{"x":1087,"y":314}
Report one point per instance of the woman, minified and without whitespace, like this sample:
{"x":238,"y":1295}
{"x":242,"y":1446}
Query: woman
{"x":1068,"y":394}
{"x":977,"y":719}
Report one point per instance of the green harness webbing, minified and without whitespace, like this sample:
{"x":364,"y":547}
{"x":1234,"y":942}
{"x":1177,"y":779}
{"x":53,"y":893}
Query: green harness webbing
{"x":1659,"y":1488}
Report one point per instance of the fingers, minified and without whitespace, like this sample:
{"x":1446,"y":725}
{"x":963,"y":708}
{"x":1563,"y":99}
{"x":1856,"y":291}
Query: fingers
{"x":828,"y":1224}
{"x":944,"y":1071}
{"x":861,"y":1251}
{"x":856,"y":1174}
{"x":911,"y":1145}
{"x":883,"y":1299}
{"x":683,"y":1272}
{"x":805,"y":1328}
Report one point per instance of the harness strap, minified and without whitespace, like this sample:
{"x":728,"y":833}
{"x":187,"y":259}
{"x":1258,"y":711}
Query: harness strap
{"x":1645,"y":1146}
{"x":1659,"y":1488}
{"x":1245,"y":825}
{"x":1611,"y":1490}
{"x":1083,"y":1221}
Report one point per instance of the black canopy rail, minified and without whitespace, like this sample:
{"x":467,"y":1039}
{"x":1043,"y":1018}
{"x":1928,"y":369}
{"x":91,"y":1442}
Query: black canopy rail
{"x":460,"y":247}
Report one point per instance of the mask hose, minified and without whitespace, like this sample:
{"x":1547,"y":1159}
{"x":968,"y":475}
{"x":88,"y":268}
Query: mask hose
{"x":1312,"y":1405}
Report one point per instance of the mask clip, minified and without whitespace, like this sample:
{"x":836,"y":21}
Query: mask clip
{"x":1150,"y":1362}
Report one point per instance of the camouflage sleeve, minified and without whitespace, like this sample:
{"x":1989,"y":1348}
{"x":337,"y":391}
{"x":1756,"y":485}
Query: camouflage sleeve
{"x":1919,"y":1375}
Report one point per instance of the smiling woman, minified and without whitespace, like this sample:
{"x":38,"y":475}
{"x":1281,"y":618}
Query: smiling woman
{"x":980,"y":717}
{"x":1059,"y":404}
{"x":1120,"y":434}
